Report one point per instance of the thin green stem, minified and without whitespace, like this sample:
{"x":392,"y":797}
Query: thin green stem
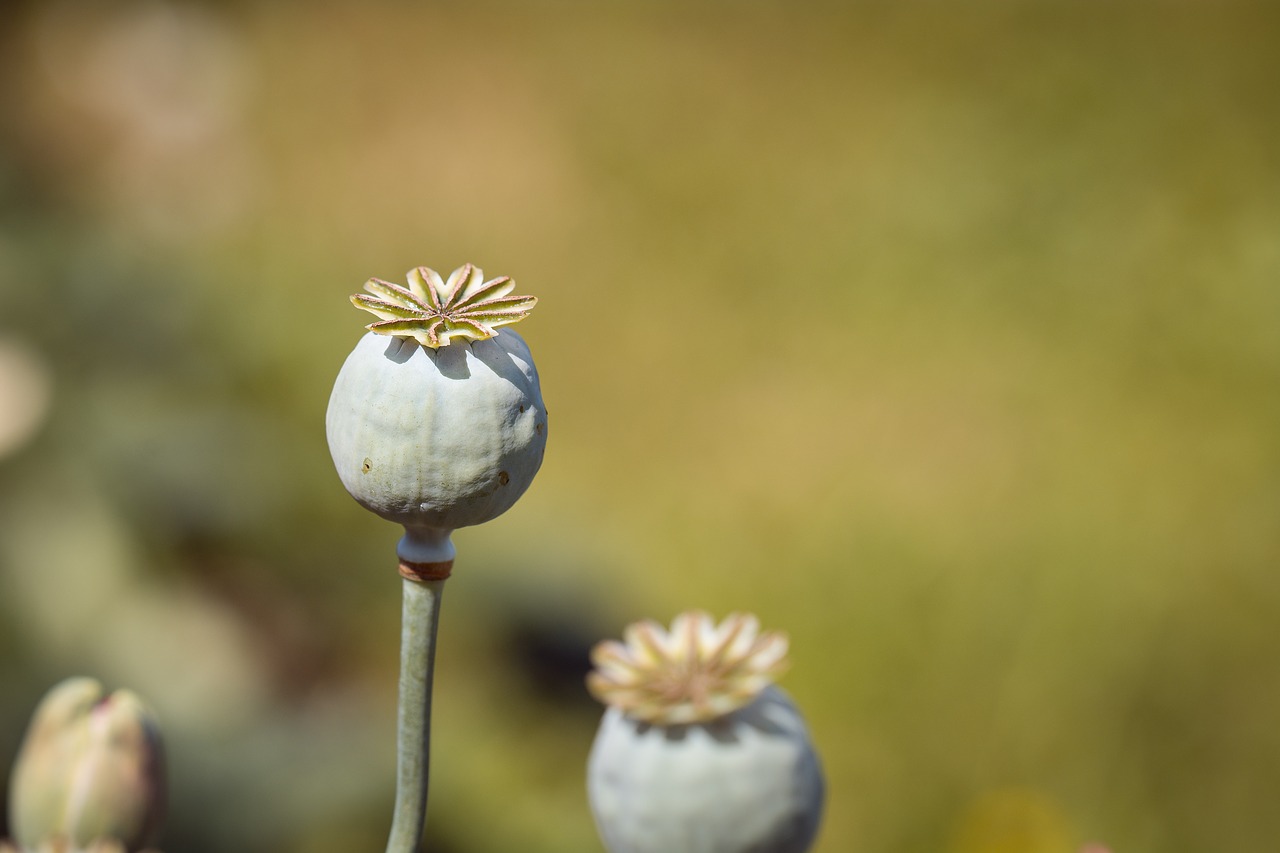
{"x":421,"y":614}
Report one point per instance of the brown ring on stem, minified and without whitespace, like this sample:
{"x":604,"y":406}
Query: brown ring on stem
{"x":423,"y":572}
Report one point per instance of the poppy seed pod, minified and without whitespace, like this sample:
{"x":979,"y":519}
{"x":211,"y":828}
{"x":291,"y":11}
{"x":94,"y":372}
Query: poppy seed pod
{"x":436,"y":420}
{"x":698,"y":751}
{"x":90,"y":772}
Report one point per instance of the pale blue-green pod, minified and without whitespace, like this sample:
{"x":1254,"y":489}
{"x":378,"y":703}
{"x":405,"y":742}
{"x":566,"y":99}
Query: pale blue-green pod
{"x":747,"y":782}
{"x":90,"y":772}
{"x":698,"y":752}
{"x":436,"y":419}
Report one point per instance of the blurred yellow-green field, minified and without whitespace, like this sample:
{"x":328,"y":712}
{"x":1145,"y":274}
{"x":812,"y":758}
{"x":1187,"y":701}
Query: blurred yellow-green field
{"x":945,"y":337}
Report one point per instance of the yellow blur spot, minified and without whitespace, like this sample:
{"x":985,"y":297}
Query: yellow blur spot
{"x":1013,"y":820}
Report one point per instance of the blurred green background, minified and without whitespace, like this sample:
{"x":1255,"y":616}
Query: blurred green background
{"x":942,"y":336}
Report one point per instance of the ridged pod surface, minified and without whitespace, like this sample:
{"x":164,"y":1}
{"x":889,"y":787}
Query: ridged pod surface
{"x":437,"y":438}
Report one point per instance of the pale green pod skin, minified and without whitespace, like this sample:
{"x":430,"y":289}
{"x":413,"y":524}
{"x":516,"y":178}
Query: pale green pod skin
{"x":747,"y":782}
{"x":90,"y":771}
{"x":437,"y":439}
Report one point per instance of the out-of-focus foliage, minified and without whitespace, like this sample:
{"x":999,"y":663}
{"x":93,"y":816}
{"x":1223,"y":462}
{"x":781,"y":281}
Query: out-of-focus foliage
{"x":941,"y":335}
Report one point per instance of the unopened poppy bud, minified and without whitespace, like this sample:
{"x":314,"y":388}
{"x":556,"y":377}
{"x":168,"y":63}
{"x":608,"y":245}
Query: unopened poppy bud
{"x":90,"y":772}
